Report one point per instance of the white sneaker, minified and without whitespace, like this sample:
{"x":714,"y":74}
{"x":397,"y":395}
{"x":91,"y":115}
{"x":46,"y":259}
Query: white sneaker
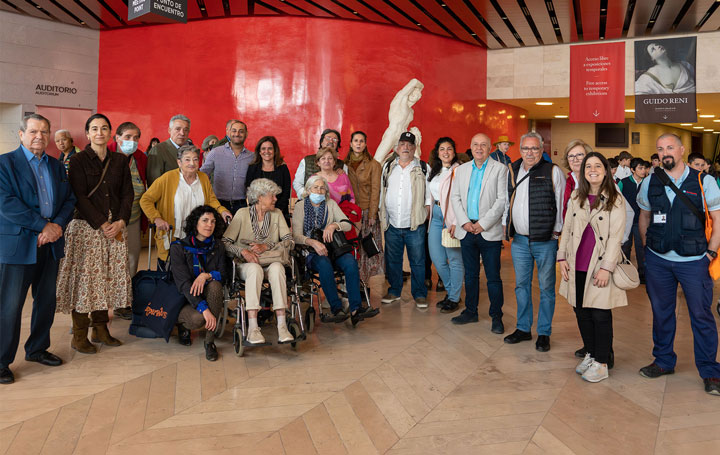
{"x":596,"y":372}
{"x":283,"y":335}
{"x":255,"y":336}
{"x":585,"y":364}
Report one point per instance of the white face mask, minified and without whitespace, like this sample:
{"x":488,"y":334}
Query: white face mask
{"x":128,"y":147}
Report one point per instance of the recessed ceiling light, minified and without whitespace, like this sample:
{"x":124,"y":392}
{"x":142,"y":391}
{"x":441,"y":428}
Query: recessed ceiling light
{"x":544,"y":103}
{"x":481,"y":105}
{"x":355,"y":12}
{"x":509,"y":117}
{"x":501,"y":112}
{"x":708,"y":130}
{"x":716,"y":132}
{"x":561,"y":116}
{"x":717,"y":120}
{"x":629,"y":110}
{"x":698,"y":127}
{"x":522,"y":116}
{"x":706,"y":116}
{"x":685,"y":124}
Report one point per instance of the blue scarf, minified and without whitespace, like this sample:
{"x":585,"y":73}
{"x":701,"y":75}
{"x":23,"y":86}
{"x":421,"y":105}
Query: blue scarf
{"x":314,"y":217}
{"x":200,"y":249}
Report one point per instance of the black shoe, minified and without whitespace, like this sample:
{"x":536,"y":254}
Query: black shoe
{"x":356,"y":317}
{"x":441,"y":303}
{"x":123,"y":313}
{"x":6,"y":376}
{"x":211,"y":352}
{"x":611,"y":360}
{"x":440,"y":286}
{"x":580,"y":353}
{"x":518,"y":336}
{"x":339,"y":316}
{"x":450,"y":307}
{"x":428,"y":283}
{"x":653,"y":371}
{"x":45,"y":358}
{"x":712,"y":385}
{"x":543,"y":343}
{"x":406,"y":275}
{"x":184,"y":336}
{"x":368,"y":312}
{"x":464,"y":318}
{"x":497,"y":326}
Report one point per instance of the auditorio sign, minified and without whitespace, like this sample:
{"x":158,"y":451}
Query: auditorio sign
{"x":597,"y":83}
{"x":158,"y":10}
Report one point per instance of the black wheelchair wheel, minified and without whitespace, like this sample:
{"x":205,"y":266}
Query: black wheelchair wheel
{"x":294,"y":329}
{"x":310,"y":320}
{"x":237,"y":342}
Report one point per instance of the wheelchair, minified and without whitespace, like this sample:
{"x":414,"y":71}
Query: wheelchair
{"x":234,"y":291}
{"x":311,"y":282}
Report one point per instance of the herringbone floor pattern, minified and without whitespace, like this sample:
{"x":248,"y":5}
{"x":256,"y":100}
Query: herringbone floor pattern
{"x":406,"y":382}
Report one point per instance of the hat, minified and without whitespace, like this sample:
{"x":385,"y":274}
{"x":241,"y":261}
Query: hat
{"x":503,"y":139}
{"x":407,"y":137}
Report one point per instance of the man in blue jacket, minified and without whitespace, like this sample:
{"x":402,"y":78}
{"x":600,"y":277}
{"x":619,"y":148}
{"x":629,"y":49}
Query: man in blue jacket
{"x":36,"y":203}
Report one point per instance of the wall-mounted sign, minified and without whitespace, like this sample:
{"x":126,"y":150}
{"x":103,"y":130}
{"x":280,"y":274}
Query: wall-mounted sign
{"x":54,"y":90}
{"x":665,"y":80}
{"x":597,"y":83}
{"x":158,"y":10}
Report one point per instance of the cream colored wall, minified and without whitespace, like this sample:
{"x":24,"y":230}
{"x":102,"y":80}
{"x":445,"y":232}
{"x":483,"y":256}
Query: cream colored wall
{"x":563,"y":132}
{"x":530,"y":72}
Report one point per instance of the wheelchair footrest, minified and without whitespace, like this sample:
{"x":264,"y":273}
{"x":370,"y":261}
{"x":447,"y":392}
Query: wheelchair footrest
{"x":298,"y":338}
{"x":246,"y":343}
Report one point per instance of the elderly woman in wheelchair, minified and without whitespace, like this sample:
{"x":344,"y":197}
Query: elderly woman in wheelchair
{"x":315,"y":219}
{"x":260,"y":241}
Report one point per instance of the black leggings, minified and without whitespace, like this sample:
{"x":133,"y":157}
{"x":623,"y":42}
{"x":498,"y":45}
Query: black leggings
{"x":595,"y":325}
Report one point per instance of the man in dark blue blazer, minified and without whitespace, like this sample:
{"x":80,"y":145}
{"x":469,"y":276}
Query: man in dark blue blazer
{"x":36,"y":203}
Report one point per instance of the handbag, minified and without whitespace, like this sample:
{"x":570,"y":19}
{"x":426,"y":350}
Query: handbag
{"x":277,"y":254}
{"x":626,"y":275}
{"x":369,"y":245}
{"x":338,"y":246}
{"x":448,"y":241}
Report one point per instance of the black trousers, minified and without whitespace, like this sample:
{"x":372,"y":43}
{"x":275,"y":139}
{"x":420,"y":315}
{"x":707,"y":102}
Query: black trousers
{"x":233,"y":206}
{"x":15,"y":279}
{"x":595,"y":324}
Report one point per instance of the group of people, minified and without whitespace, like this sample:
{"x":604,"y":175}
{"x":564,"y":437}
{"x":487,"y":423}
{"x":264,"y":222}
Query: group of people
{"x":71,"y":229}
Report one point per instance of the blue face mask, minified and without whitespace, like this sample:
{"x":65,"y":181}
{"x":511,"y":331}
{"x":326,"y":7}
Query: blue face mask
{"x":316,"y":198}
{"x":128,"y":147}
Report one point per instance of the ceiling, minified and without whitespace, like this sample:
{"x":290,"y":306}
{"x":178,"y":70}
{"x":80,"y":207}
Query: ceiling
{"x":493,"y":24}
{"x":708,"y":104}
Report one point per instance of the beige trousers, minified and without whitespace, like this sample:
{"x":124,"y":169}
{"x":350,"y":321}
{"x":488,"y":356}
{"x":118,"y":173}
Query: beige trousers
{"x":252,"y":274}
{"x":133,"y":242}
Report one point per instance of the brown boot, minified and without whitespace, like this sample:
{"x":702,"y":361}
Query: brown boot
{"x":100,"y":332}
{"x":79,"y":341}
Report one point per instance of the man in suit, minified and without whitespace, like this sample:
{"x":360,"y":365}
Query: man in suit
{"x":163,"y":157}
{"x":478,"y":199}
{"x":36,"y":203}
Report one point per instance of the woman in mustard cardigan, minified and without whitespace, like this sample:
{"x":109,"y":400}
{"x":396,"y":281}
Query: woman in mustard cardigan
{"x":173,"y":195}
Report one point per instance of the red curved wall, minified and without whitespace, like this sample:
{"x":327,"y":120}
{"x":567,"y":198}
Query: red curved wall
{"x":293,"y":77}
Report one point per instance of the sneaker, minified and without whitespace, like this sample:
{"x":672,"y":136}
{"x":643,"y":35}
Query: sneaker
{"x":596,"y":372}
{"x":585,"y":364}
{"x":653,"y":371}
{"x":464,"y":318}
{"x":284,"y":335}
{"x":255,"y":336}
{"x":421,"y":302}
{"x":712,"y":386}
{"x":580,"y":353}
{"x":389,"y":298}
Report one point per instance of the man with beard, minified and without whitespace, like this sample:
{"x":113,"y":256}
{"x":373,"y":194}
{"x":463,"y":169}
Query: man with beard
{"x":672,"y":202}
{"x":228,"y":165}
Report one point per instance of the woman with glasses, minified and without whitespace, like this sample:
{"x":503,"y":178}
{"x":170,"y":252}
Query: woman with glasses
{"x":574,"y":154}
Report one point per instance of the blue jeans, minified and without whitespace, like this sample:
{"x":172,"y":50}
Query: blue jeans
{"x":326,"y":270}
{"x":448,"y":261}
{"x":662,"y":278}
{"x":639,"y":250}
{"x":396,"y":240}
{"x":473,"y":246}
{"x":15,"y":279}
{"x":524,"y":254}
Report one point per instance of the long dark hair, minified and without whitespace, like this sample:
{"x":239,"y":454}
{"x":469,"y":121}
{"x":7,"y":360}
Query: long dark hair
{"x":435,"y":162}
{"x":95,"y":117}
{"x":365,"y":152}
{"x":271,"y":139}
{"x":193,"y":219}
{"x":607,"y":187}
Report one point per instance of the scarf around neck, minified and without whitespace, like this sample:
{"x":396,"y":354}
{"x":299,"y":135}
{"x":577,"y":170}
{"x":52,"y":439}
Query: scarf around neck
{"x":200,"y":249}
{"x":314,"y":217}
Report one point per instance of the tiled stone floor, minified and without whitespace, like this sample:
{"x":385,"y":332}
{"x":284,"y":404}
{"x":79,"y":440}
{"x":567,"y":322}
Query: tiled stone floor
{"x":405,"y":382}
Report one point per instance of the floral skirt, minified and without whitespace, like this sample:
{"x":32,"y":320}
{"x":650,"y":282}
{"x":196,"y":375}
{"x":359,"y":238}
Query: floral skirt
{"x":94,"y":273}
{"x":376,"y":264}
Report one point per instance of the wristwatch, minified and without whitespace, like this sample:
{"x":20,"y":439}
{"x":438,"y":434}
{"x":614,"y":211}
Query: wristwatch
{"x":712,"y":253}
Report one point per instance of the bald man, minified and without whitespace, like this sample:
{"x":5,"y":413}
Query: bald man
{"x":478,"y":197}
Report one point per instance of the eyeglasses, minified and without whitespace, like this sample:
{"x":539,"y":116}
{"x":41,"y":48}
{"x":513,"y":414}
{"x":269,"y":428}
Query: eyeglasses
{"x":530,"y":149}
{"x":330,"y":139}
{"x":578,"y":157}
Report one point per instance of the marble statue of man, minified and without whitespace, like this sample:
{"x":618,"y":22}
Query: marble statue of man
{"x":399,"y":118}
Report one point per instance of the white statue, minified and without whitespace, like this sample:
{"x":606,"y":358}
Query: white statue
{"x":399,"y":118}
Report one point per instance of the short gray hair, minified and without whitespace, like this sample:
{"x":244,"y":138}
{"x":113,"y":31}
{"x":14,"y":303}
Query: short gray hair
{"x":179,"y":117}
{"x":65,"y":132}
{"x":311,"y":181}
{"x":187,"y":148}
{"x":261,"y":187}
{"x":38,"y":117}
{"x":532,"y":134}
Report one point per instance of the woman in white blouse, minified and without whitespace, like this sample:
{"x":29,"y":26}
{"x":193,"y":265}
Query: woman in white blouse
{"x":448,"y":261}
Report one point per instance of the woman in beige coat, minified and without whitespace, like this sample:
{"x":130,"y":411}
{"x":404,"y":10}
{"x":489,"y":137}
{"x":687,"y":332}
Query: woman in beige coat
{"x":588,"y":253}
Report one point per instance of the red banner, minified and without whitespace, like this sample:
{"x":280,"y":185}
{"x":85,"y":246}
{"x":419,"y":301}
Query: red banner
{"x":597,"y":83}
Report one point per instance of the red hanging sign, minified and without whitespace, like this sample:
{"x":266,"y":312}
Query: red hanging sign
{"x":597,"y":83}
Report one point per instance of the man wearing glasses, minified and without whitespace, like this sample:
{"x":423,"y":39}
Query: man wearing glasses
{"x":533,"y":217}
